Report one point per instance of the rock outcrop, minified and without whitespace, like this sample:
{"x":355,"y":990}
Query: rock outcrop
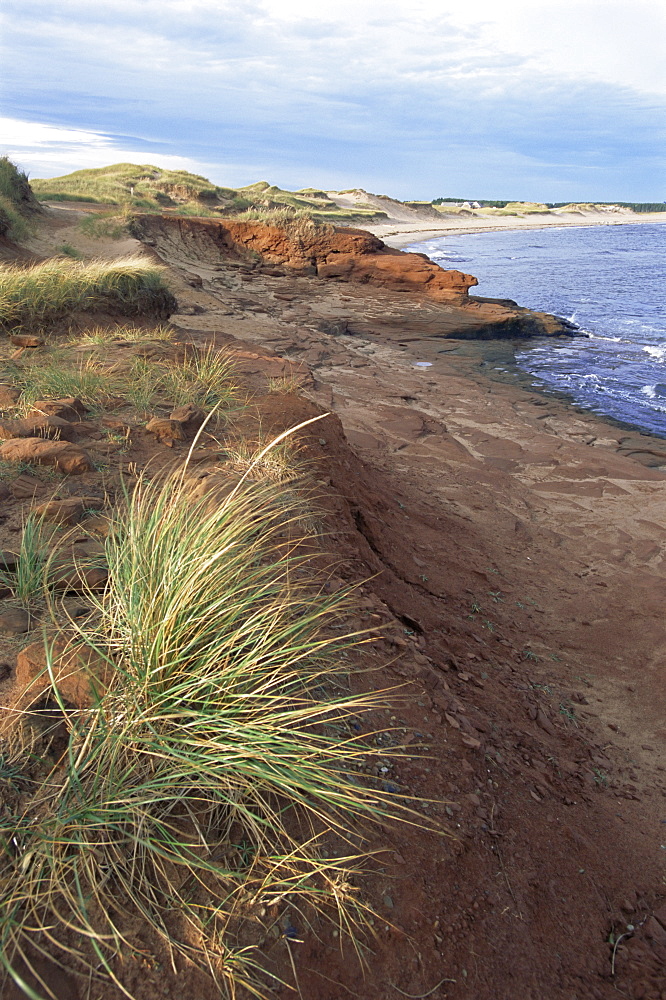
{"x":349,"y":254}
{"x":301,"y":249}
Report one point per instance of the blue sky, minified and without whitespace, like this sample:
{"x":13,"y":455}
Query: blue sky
{"x":530,"y":99}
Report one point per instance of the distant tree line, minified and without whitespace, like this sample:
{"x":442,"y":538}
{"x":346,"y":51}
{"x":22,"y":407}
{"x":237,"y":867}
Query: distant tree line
{"x":635,"y":206}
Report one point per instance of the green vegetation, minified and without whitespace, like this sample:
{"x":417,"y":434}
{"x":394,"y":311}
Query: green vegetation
{"x":105,"y":334}
{"x":104,"y":225}
{"x":17,"y":202}
{"x":147,"y":188}
{"x":283,"y":385}
{"x":124,"y":184}
{"x":206,"y":376}
{"x":32,"y":297}
{"x":527,"y":208}
{"x":195,"y":794}
{"x":30,"y":577}
{"x":459,"y":201}
{"x":296,"y":223}
{"x":635,"y":206}
{"x":67,"y":250}
{"x":55,"y":375}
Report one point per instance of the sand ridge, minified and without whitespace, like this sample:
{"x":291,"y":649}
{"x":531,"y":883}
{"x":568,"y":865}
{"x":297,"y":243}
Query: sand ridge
{"x":407,"y":224}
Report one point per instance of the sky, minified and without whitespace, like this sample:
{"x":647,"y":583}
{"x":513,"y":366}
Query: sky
{"x":419,"y":99}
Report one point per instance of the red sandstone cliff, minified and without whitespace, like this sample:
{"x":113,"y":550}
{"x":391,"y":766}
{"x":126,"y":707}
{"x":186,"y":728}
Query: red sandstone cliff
{"x":350,"y":254}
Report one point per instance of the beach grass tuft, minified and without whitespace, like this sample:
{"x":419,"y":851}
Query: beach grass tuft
{"x":206,"y":376}
{"x":126,"y":333}
{"x":194,"y":793}
{"x":55,"y":375}
{"x":29,"y":579}
{"x":32,"y":297}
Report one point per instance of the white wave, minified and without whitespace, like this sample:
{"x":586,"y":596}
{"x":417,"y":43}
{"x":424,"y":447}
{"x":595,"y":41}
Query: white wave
{"x":650,"y":391}
{"x":614,"y":340}
{"x":658,"y":353}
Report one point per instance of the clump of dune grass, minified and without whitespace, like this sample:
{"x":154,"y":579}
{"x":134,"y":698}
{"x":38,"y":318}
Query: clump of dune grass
{"x":283,"y":385}
{"x":204,"y":376}
{"x":125,"y":332}
{"x":17,"y":202}
{"x":30,"y":578}
{"x":279,"y":464}
{"x":104,"y":225}
{"x":56,"y":375}
{"x":226,"y":723}
{"x":32,"y":297}
{"x":67,"y":250}
{"x":13,"y":223}
{"x":297,"y":223}
{"x":284,"y":466}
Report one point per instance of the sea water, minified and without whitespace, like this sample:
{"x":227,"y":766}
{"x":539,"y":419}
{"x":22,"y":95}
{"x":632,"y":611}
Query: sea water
{"x":610,"y":280}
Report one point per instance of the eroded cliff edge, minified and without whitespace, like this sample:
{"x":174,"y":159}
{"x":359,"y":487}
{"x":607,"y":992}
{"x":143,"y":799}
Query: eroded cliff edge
{"x":349,"y":256}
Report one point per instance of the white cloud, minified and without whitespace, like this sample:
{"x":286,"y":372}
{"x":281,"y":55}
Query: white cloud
{"x":274,"y":87}
{"x":343,"y":42}
{"x":48,"y":150}
{"x":619,"y":42}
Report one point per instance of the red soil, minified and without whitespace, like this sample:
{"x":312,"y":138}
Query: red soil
{"x":513,"y":553}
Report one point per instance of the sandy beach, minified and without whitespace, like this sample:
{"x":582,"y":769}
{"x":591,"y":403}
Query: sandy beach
{"x":402,"y":234}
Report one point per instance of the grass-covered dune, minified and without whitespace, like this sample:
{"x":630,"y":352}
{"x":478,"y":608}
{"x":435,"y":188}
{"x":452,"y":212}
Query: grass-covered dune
{"x":17,"y":201}
{"x":149,"y":188}
{"x":32,"y":297}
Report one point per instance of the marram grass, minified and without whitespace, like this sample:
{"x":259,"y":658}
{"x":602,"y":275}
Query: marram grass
{"x":194,"y":793}
{"x":206,"y":376}
{"x":32,"y":297}
{"x":29,"y":579}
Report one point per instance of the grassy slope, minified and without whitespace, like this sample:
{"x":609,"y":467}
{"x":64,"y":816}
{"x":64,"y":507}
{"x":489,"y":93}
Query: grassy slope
{"x":150,"y":188}
{"x":32,"y":298}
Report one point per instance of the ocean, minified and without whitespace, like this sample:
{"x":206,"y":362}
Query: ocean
{"x":610,"y":281}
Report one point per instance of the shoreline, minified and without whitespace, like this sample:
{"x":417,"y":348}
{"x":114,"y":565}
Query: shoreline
{"x":502,"y":553}
{"x":403,"y":234}
{"x":530,"y":381}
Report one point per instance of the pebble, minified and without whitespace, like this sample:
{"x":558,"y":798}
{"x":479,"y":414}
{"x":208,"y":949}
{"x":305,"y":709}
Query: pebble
{"x":15,"y":622}
{"x":25,"y":340}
